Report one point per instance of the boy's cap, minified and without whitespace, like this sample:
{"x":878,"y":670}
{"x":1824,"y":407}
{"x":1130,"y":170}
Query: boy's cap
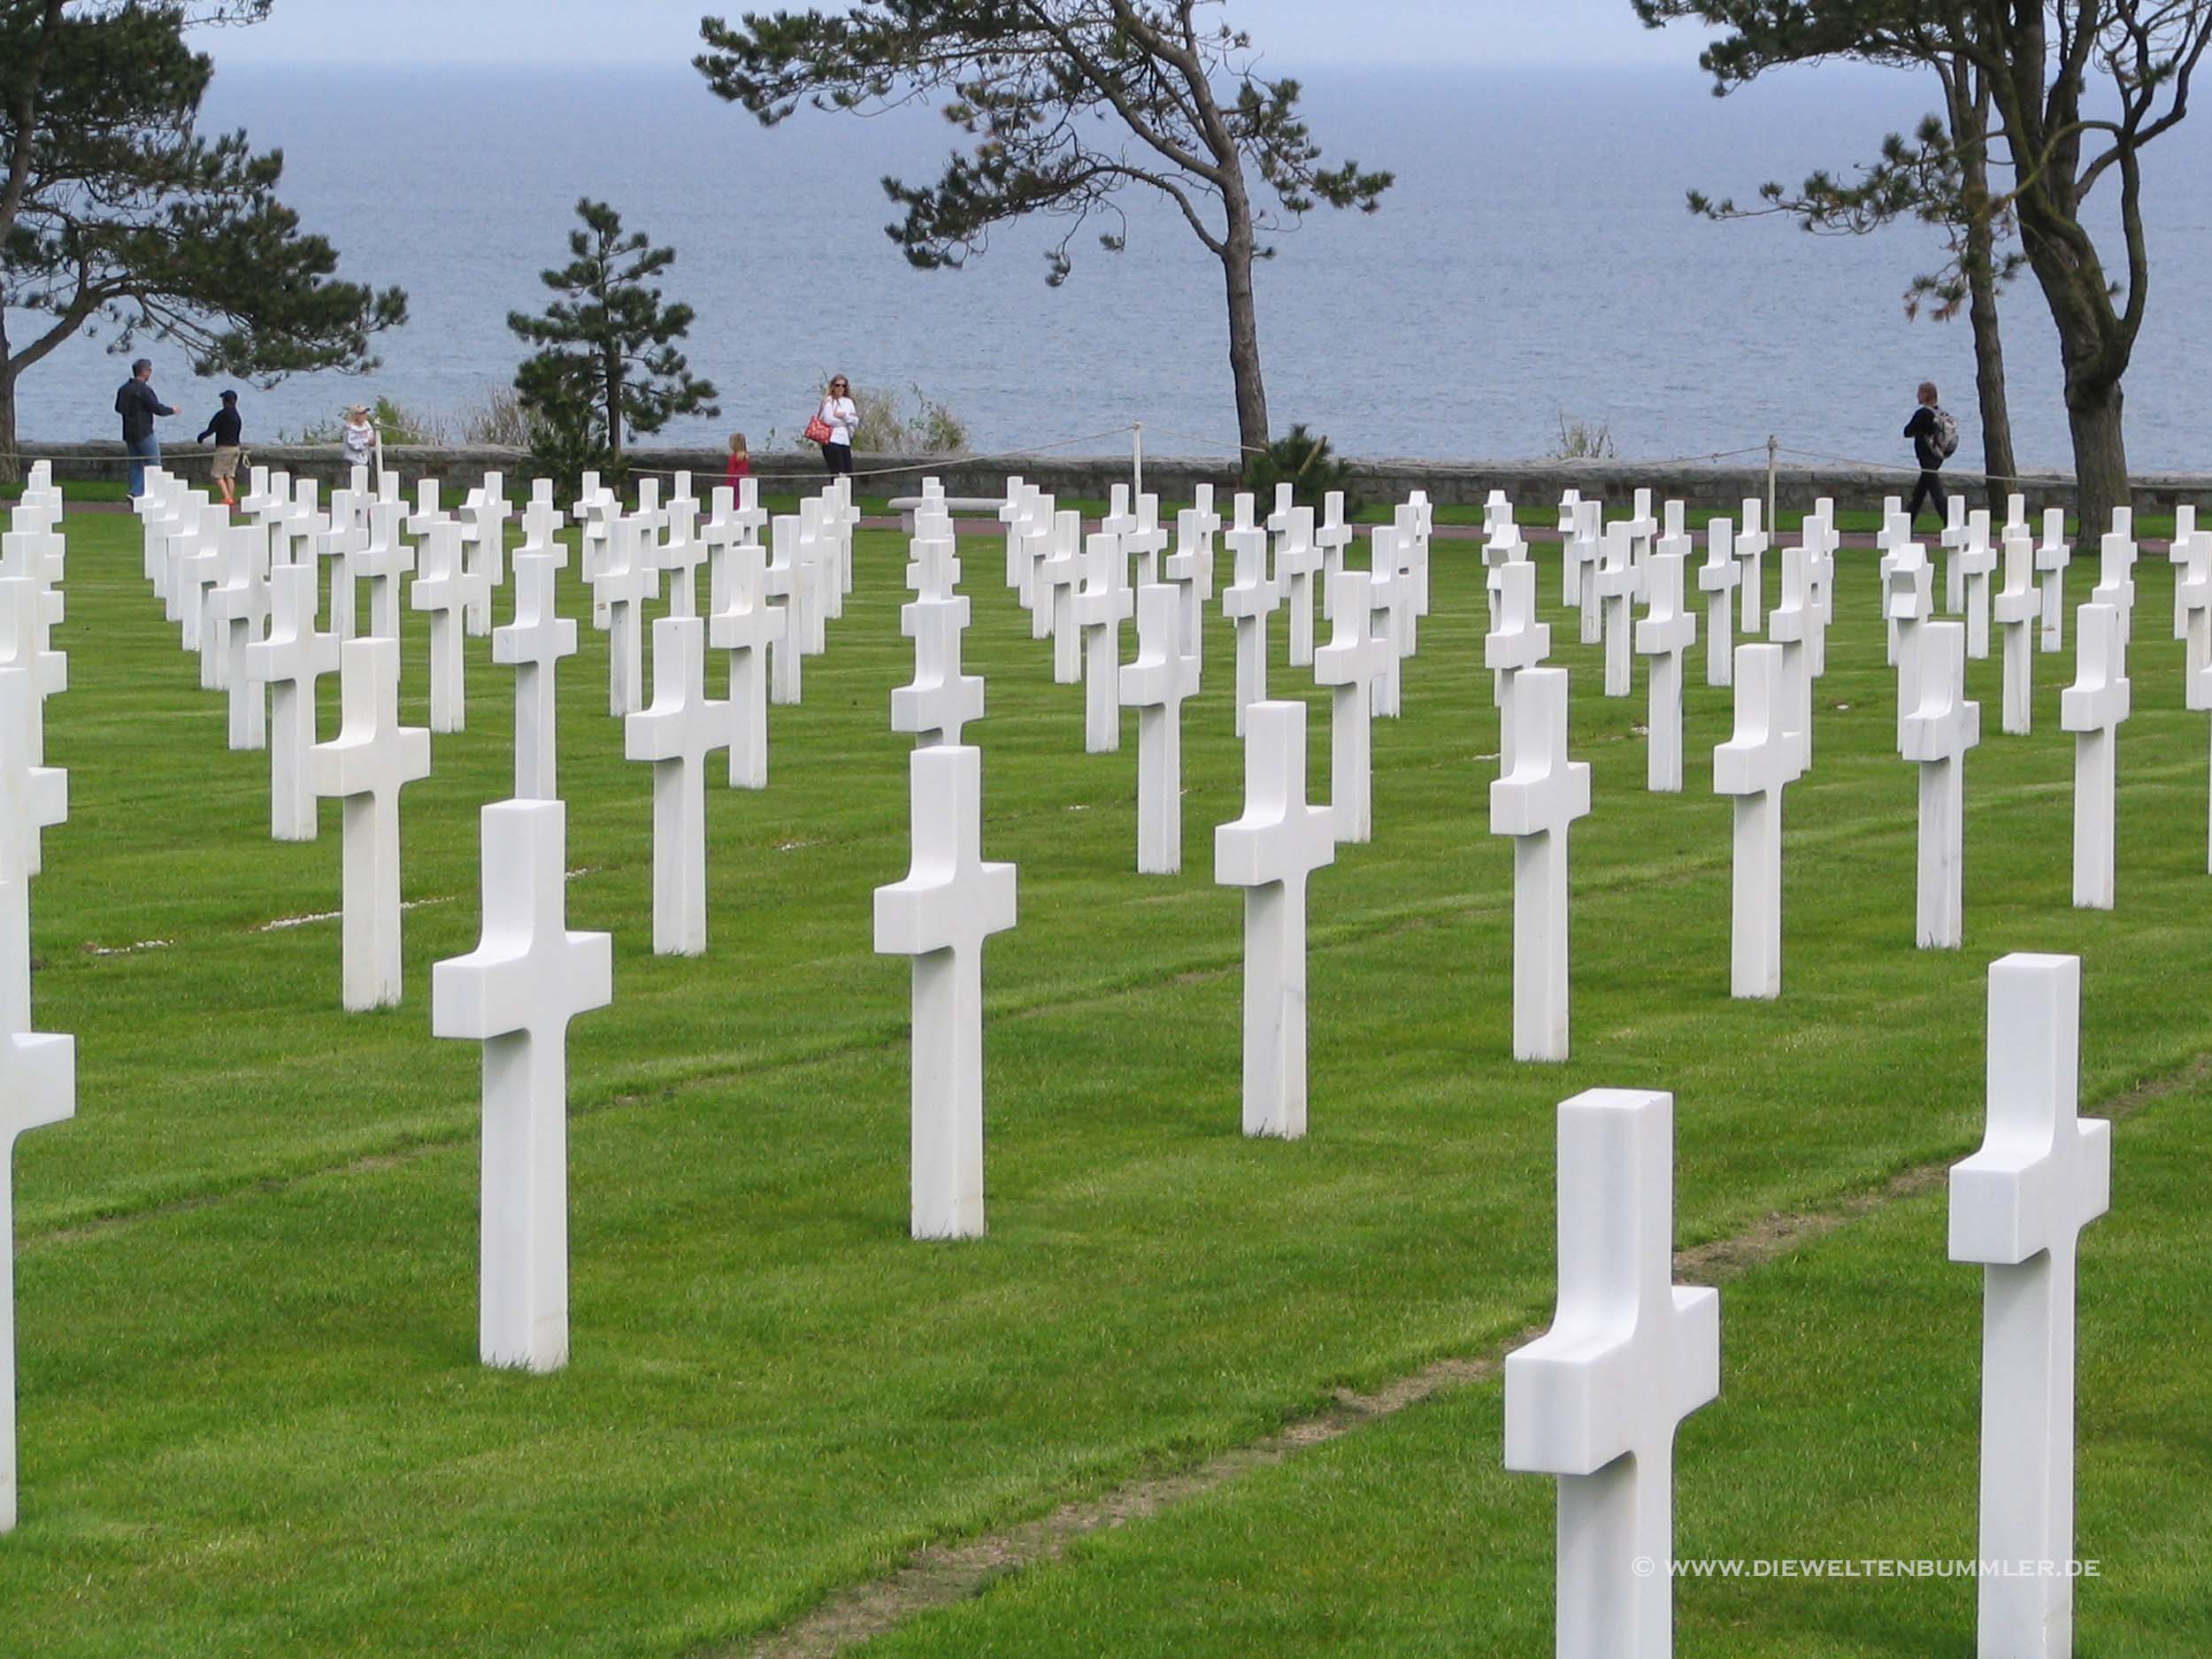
{"x":230,"y":397}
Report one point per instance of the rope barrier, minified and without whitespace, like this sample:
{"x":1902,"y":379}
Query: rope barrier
{"x":940,"y":463}
{"x":1913,"y":472}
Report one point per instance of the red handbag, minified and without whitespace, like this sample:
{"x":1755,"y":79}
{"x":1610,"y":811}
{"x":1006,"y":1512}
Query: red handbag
{"x":819,"y":431}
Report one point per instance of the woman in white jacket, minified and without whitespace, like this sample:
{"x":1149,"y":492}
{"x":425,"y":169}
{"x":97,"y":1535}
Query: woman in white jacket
{"x":841,"y":416}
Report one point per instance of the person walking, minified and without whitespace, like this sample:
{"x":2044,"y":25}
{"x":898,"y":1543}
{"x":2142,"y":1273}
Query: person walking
{"x":225,"y":428}
{"x":834,"y":425}
{"x":135,"y":401}
{"x":1935,"y":439}
{"x":740,"y":461}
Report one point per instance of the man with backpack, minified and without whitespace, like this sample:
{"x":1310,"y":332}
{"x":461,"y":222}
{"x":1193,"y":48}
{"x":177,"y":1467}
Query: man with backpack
{"x":1935,"y":439}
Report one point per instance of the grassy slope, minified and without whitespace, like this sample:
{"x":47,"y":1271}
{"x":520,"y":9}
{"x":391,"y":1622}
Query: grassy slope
{"x":252,"y":1418}
{"x":1846,"y":1431}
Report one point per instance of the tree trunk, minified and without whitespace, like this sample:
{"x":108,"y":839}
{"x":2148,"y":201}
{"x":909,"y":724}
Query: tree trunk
{"x":10,"y":463}
{"x":1998,"y":462}
{"x":1244,"y":340}
{"x":614,"y":413}
{"x":2101,"y":457}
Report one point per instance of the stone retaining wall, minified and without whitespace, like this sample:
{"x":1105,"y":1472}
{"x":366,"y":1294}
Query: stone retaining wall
{"x":1447,"y":482}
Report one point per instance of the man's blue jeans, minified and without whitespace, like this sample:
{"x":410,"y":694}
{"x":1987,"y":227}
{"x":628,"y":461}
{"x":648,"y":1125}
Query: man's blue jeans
{"x":141,"y":451}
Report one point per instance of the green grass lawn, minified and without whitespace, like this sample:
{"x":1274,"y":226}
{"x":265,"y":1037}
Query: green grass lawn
{"x":253,"y":1422}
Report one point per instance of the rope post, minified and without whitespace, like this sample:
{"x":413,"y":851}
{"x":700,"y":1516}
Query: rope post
{"x":1774,"y":525}
{"x":1136,"y":459}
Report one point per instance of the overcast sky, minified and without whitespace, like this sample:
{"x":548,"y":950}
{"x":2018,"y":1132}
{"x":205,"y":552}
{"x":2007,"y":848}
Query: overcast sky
{"x":1300,"y":31}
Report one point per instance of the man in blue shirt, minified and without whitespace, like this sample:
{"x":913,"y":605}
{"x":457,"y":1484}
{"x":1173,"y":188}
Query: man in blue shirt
{"x":135,"y":401}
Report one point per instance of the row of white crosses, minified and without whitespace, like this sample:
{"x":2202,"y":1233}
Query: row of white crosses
{"x":950,"y":900}
{"x":528,"y":978}
{"x":38,"y":1084}
{"x":1596,"y":1401}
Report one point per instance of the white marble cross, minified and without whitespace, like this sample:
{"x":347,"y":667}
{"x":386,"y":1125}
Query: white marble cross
{"x":34,"y":798}
{"x":197,"y":566}
{"x":933,"y":573}
{"x":1908,"y":605}
{"x":1535,"y":802}
{"x":238,"y":611}
{"x":381,"y":561}
{"x":1598,"y":1399}
{"x":749,"y":628}
{"x":1100,"y":609}
{"x":38,"y":1086}
{"x":1015,"y":512}
{"x":1569,"y":563}
{"x":2115,"y":586}
{"x":444,"y":588}
{"x":1820,"y":540}
{"x":1953,"y":541}
{"x":339,"y":546}
{"x":2052,"y":556}
{"x":629,"y":581}
{"x":1501,"y":545}
{"x":594,"y":510}
{"x":1978,"y":563}
{"x":1717,"y":578}
{"x":1248,"y":602}
{"x":781,"y":579}
{"x":680,"y":556}
{"x":1582,"y":550}
{"x":676,"y":733}
{"x":1620,"y":584}
{"x":1060,"y":577}
{"x":736,"y":522}
{"x":1183,"y":569}
{"x":1892,"y":538}
{"x":1332,"y":536}
{"x":1751,"y":544}
{"x":1417,"y":521}
{"x":290,"y":662}
{"x":1271,"y":852}
{"x":2092,"y":707}
{"x":2015,"y":607}
{"x":2018,"y":1207}
{"x":1517,"y":641}
{"x":1156,"y":685}
{"x":516,"y":992}
{"x":485,"y":556}
{"x":1386,"y":616}
{"x":1351,"y":664}
{"x":543,"y":521}
{"x":942,"y":698}
{"x":815,"y":580}
{"x":366,"y":765}
{"x":1753,"y":766}
{"x":1788,"y":626}
{"x":1031,"y":539}
{"x":533,"y":644}
{"x":1942,"y":726}
{"x":1297,"y":560}
{"x":1643,"y":528}
{"x":2191,"y":558}
{"x":26,"y":618}
{"x":1665,"y":632}
{"x":1147,"y":541}
{"x":940,"y":914}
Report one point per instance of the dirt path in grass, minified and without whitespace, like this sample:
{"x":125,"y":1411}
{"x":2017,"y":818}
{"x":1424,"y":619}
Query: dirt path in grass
{"x":941,"y":1575}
